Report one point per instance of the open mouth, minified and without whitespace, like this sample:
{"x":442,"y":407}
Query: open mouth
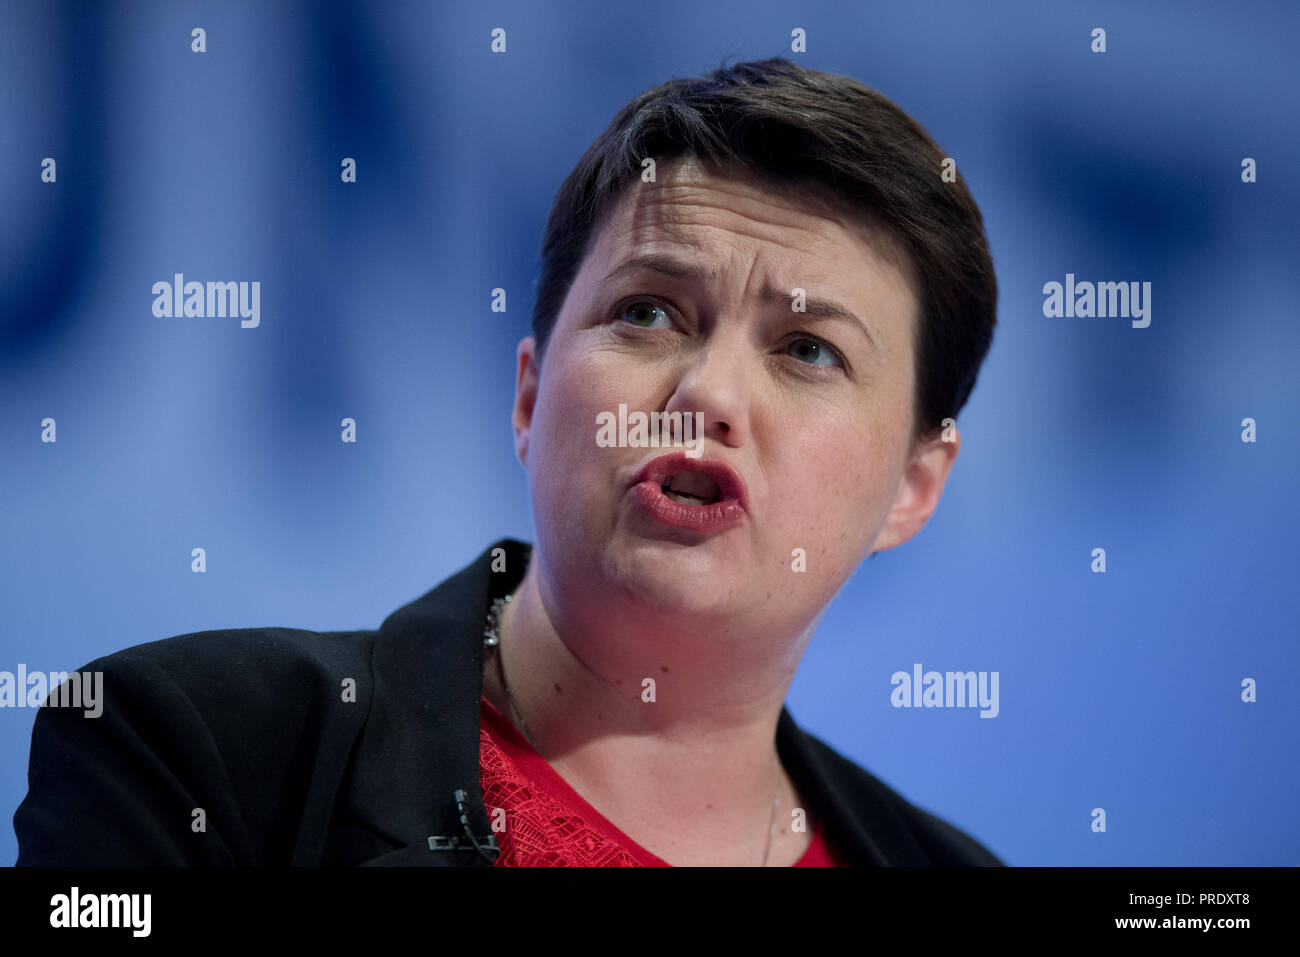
{"x":701,"y":495}
{"x":691,"y":488}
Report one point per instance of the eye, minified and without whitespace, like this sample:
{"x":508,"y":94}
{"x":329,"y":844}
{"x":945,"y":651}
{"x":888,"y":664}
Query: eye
{"x":812,"y":351}
{"x":643,"y":313}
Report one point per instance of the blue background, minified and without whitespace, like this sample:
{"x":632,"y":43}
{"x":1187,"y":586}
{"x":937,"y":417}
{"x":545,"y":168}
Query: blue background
{"x":1119,"y":691}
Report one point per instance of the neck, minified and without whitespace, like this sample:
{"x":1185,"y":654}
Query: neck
{"x":702,"y":728}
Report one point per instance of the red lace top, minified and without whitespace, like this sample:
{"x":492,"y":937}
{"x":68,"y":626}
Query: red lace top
{"x":550,"y":825}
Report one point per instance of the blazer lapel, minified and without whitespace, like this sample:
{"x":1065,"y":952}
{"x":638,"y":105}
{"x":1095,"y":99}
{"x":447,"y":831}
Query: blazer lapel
{"x":420,"y":742}
{"x":860,"y":821}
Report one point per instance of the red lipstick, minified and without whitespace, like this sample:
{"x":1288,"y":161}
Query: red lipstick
{"x":728,"y":511}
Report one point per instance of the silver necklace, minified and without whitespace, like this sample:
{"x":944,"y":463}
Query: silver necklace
{"x":492,"y":639}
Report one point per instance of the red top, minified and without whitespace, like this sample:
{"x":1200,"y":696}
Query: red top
{"x":550,"y":825}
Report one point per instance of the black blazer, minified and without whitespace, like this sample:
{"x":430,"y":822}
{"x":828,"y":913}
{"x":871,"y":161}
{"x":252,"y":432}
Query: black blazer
{"x":243,"y":748}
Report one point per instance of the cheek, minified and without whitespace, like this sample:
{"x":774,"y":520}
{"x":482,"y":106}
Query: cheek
{"x":839,"y":486}
{"x":564,"y":454}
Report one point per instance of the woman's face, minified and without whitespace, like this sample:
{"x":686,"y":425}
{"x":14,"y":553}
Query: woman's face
{"x":813,"y":410}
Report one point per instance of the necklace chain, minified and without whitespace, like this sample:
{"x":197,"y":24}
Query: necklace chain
{"x":492,"y":640}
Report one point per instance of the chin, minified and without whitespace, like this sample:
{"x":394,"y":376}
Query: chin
{"x":670,"y":578}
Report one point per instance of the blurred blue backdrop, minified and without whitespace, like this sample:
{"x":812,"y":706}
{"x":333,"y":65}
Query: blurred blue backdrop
{"x":1119,"y":690}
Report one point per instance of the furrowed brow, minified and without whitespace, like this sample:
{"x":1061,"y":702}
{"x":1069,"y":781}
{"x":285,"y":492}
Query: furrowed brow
{"x":814,"y":307}
{"x":821,"y":309}
{"x":668,"y":266}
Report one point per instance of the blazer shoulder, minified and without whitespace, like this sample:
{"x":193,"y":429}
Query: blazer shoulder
{"x":240,"y":681}
{"x":941,"y":842}
{"x":247,"y":651}
{"x":236,"y":724}
{"x":258,"y":695}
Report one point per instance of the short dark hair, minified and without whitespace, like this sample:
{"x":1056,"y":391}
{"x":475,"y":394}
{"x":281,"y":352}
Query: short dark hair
{"x":806,"y":128}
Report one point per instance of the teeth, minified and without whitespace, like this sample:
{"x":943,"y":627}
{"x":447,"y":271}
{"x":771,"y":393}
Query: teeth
{"x":697,"y":485}
{"x":684,"y":499}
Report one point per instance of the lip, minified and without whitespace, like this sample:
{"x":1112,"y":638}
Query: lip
{"x":730,"y":509}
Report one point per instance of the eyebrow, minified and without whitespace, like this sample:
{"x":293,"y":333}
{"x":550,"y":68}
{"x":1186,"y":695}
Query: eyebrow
{"x":703,"y":276}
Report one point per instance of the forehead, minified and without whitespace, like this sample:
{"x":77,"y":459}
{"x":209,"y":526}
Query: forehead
{"x":695,"y":204}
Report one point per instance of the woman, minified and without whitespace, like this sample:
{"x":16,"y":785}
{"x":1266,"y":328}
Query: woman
{"x":775,"y":260}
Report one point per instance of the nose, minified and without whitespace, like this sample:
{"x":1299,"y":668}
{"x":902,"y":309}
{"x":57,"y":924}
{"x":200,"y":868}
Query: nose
{"x":714,"y":380}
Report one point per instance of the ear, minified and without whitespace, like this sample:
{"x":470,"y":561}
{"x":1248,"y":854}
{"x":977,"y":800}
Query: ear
{"x":919,"y":489}
{"x":525,"y":396}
